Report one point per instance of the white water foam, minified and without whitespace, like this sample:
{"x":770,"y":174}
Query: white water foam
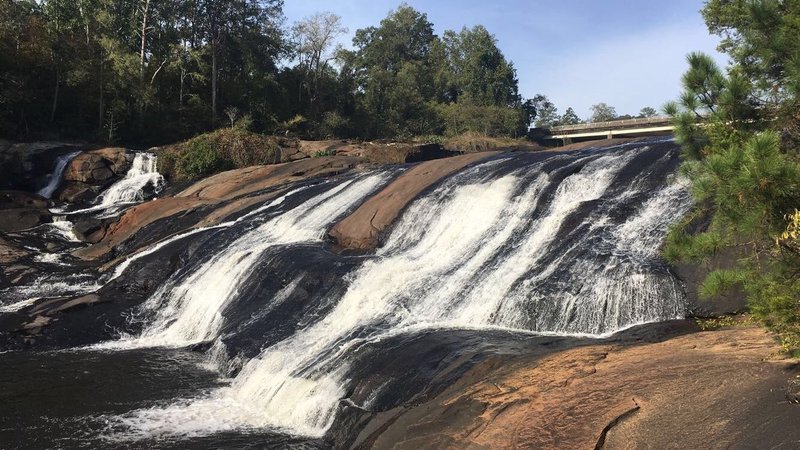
{"x":191,"y":311}
{"x":130,"y":189}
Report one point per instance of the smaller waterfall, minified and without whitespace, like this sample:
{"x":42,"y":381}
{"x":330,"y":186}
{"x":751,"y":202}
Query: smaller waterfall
{"x":128,"y":190}
{"x":143,"y":173}
{"x":54,"y":179}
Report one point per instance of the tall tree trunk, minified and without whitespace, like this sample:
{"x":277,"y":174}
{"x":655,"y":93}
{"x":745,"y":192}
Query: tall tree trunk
{"x":55,"y":96}
{"x":214,"y":82}
{"x":145,"y":9}
{"x":101,"y":102}
{"x":180,"y":94}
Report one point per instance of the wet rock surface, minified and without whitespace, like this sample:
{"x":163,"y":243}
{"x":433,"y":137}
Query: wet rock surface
{"x":22,"y":210}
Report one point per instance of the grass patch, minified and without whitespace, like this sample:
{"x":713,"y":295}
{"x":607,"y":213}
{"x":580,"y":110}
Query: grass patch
{"x":471,"y":142}
{"x":722,"y":322}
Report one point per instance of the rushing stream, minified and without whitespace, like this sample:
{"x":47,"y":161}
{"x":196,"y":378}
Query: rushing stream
{"x":490,"y":259}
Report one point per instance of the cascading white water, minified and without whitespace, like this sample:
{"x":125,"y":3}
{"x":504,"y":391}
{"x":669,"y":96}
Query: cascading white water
{"x":54,"y":179}
{"x":143,"y":172}
{"x":191,"y":311}
{"x":470,"y":254}
{"x":130,"y":189}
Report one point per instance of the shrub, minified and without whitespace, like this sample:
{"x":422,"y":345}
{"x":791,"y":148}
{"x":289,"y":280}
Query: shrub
{"x":223,"y":149}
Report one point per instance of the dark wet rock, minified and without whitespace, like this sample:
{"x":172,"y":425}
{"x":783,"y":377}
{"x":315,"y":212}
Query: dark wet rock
{"x":76,"y":192}
{"x":22,"y":219}
{"x":16,"y":273}
{"x":22,"y":210}
{"x":91,"y":229}
{"x":692,"y":274}
{"x":20,"y":199}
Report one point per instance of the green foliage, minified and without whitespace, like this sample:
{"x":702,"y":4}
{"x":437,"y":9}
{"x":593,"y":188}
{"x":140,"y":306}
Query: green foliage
{"x":155,"y":72}
{"x":717,"y":323}
{"x":494,"y":121}
{"x":738,"y":131}
{"x":647,"y":111}
{"x":408,"y":82}
{"x":570,"y":118}
{"x":602,"y":112}
{"x":721,"y":282}
{"x":140,"y":72}
{"x":223,"y":149}
{"x":321,"y":153}
{"x":200,"y":158}
{"x":545,"y":112}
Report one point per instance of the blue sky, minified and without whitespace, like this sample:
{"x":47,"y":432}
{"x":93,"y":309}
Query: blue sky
{"x":627,"y":53}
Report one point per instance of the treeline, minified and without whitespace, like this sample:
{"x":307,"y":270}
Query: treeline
{"x":740,"y":131}
{"x":546,"y":113}
{"x":156,"y":71}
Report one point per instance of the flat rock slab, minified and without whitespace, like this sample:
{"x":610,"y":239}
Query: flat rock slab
{"x":702,"y":390}
{"x":361,"y":229}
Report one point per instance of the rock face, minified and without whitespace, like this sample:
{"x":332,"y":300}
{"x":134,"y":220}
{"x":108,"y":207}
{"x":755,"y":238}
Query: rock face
{"x":22,"y":210}
{"x":92,"y":171}
{"x":699,"y":390}
{"x":361,"y":229}
{"x":98,"y":167}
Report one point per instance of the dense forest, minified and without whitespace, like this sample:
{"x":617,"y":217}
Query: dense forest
{"x":740,"y":131}
{"x":154,"y":71}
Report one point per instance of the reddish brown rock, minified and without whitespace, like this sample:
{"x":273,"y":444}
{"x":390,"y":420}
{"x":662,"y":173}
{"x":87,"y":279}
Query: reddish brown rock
{"x":96,"y":167}
{"x":361,"y":229}
{"x":10,"y":253}
{"x":701,"y":390}
{"x":218,"y":190}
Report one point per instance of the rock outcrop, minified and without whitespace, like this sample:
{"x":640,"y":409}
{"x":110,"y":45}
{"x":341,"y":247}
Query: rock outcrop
{"x":374,"y":152}
{"x":699,"y":390}
{"x":90,"y":172}
{"x":216,"y":197}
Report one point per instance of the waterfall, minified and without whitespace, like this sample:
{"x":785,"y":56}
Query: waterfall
{"x":130,"y":189}
{"x":54,"y":178}
{"x":189,"y":310}
{"x":564,"y":245}
{"x":142,"y":174}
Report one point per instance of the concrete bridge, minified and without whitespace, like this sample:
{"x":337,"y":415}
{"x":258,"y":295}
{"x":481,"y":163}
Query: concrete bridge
{"x":566,"y":134}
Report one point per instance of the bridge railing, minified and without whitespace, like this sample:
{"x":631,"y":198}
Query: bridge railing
{"x":611,"y":124}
